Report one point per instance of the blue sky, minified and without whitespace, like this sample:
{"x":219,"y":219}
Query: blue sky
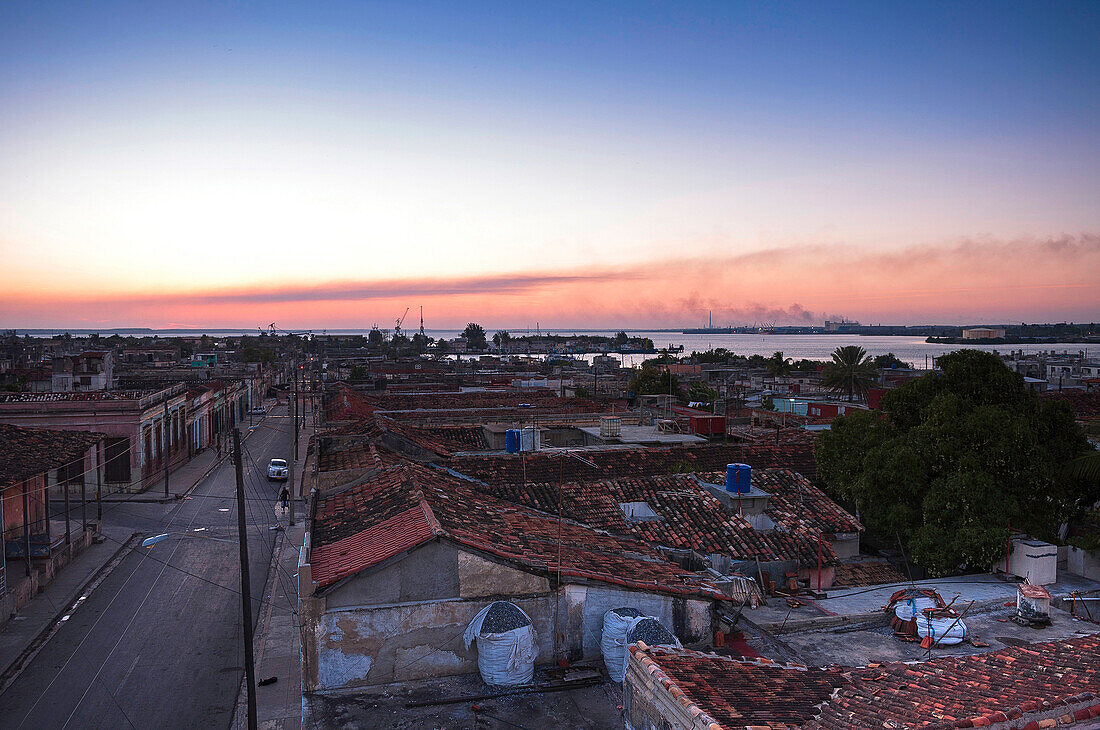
{"x":471,"y":140}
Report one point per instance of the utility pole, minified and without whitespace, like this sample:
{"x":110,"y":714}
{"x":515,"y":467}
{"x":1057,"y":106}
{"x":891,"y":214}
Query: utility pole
{"x":246,"y":591}
{"x":295,"y":364}
{"x":164,"y":425}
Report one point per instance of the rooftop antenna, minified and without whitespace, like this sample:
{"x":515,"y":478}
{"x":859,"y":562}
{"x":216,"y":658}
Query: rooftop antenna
{"x":421,"y":320}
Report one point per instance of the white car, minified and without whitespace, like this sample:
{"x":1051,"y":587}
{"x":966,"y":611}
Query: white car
{"x":277,"y":470}
{"x":258,"y":411}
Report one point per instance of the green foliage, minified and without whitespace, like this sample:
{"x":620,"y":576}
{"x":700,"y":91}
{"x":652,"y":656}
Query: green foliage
{"x":717,"y":355}
{"x":475,"y":337}
{"x":256,"y":354}
{"x":652,"y":380}
{"x":699,"y":392}
{"x":777,"y":365}
{"x":889,"y":360}
{"x":358,"y":372}
{"x":580,"y":392}
{"x":956,"y":458}
{"x":621,"y":338}
{"x":850,"y":371}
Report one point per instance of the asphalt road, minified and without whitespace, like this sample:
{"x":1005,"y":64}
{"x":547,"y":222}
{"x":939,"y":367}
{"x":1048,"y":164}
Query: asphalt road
{"x":158,"y":643}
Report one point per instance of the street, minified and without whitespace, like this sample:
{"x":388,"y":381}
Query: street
{"x":158,"y":643}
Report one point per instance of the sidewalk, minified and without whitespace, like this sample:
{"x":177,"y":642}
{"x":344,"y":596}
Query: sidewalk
{"x":277,"y":640}
{"x":278,"y":655}
{"x":23,"y":635}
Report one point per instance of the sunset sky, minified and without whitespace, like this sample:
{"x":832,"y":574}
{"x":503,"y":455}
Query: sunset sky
{"x":579,"y":164}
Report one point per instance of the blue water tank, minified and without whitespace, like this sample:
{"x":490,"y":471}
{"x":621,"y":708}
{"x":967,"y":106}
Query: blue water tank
{"x":511,"y":441}
{"x":738,"y":478}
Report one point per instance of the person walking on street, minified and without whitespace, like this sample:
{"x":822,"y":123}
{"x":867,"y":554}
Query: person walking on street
{"x":284,"y":498}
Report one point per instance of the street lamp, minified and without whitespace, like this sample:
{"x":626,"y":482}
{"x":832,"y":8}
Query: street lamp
{"x":151,"y":541}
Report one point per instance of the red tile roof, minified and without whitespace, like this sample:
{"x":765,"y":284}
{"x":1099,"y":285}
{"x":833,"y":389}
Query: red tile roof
{"x":724,"y":692}
{"x":636,"y":462}
{"x":508,"y":404}
{"x":443,"y":440}
{"x":363,"y":522}
{"x":796,"y":502}
{"x":691,"y":517}
{"x":27,"y":452}
{"x":1017,"y":687}
{"x":1085,"y":405}
{"x":867,"y":573}
{"x":349,"y":555}
{"x":91,"y":395}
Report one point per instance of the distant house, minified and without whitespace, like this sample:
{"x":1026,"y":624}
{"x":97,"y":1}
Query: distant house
{"x":983,"y":333}
{"x":93,"y":370}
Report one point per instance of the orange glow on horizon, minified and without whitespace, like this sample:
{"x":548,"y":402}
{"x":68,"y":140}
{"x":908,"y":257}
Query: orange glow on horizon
{"x":966,"y":282}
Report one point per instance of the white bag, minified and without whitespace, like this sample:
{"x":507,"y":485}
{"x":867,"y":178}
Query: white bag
{"x":944,"y":631}
{"x":613,"y":644}
{"x":507,"y":658}
{"x":911,"y":608}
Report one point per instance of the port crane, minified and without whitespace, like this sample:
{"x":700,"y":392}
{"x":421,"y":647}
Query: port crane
{"x":397,"y":327}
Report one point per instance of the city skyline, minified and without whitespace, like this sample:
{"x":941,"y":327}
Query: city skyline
{"x":615,"y":166}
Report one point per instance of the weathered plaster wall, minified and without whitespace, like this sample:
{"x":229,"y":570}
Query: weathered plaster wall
{"x":428,"y":573}
{"x":480,"y":577}
{"x":412,"y":641}
{"x":406,"y":619}
{"x":1084,"y":562}
{"x":846,"y":545}
{"x":584,"y":606}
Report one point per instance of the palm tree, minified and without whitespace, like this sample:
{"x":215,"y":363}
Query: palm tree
{"x":777,"y":365}
{"x":851,"y":370}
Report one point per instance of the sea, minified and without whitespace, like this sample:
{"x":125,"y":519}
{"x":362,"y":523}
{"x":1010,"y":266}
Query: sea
{"x":912,"y":350}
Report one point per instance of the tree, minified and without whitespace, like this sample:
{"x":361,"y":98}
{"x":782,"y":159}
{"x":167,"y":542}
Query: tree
{"x":620,"y":339}
{"x":475,"y":337}
{"x":652,"y":380}
{"x":700,"y":393}
{"x":501,"y":339}
{"x":954,"y":459}
{"x":777,"y":365}
{"x":889,"y":360}
{"x":850,"y":371}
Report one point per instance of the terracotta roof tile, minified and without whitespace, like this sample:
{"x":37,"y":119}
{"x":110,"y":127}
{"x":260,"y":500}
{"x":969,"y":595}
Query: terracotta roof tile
{"x":691,"y":517}
{"x":1085,"y":405}
{"x":1018,"y":685}
{"x":622,"y":462}
{"x":867,"y":573}
{"x":506,"y":403}
{"x":26,"y":452}
{"x":511,"y":532}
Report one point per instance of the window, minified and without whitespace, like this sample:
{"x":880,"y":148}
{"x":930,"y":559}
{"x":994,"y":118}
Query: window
{"x":116,"y":458}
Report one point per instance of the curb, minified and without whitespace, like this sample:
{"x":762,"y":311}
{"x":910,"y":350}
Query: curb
{"x":259,"y":632}
{"x":15,"y":668}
